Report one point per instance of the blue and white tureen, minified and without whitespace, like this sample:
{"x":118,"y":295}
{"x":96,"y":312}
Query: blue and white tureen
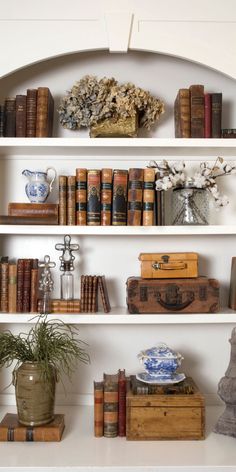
{"x":160,"y":361}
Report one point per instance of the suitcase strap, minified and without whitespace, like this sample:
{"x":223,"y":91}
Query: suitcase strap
{"x":172,"y":266}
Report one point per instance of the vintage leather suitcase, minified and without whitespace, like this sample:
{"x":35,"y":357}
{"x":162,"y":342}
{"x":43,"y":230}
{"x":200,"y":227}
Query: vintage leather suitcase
{"x":169,"y":265}
{"x":199,"y":295}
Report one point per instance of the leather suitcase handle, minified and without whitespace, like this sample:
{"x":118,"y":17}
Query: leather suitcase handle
{"x":172,"y":266}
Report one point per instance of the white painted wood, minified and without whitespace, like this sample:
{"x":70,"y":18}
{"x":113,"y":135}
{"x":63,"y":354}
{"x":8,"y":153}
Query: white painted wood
{"x":120,"y":316}
{"x":167,"y":29}
{"x":144,"y":231}
{"x":119,"y":25}
{"x":81,"y":452}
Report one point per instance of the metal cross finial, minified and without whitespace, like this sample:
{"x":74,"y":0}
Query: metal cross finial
{"x":67,"y":258}
{"x":46,"y":281}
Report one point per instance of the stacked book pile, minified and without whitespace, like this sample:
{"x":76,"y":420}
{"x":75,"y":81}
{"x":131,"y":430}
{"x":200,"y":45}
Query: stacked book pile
{"x":110,"y":405}
{"x":198,"y":114}
{"x":29,"y":115}
{"x":110,"y":197}
{"x":18,"y":285}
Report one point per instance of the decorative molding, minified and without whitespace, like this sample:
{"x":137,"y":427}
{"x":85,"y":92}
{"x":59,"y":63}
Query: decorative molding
{"x":119,"y":28}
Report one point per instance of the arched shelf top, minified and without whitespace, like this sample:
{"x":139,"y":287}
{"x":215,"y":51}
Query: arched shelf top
{"x":199,"y":41}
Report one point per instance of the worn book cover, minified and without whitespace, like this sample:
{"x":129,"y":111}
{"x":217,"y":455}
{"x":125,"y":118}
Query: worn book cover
{"x":98,"y":409}
{"x":148,"y":196}
{"x":81,"y":197}
{"x":197,"y":111}
{"x":12,"y":430}
{"x":106,"y":196}
{"x":31,"y":110}
{"x":20,"y":116}
{"x":44,"y":113}
{"x":119,"y":197}
{"x":110,"y":405}
{"x":135,"y":197}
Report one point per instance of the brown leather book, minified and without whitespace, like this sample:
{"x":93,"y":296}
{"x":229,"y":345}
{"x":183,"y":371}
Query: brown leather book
{"x":148,"y":196}
{"x":44,"y":113}
{"x":4,"y":284}
{"x":12,"y":286}
{"x":135,"y":197}
{"x":94,"y":197}
{"x":20,"y":285}
{"x":197,"y":111}
{"x":106,"y":196}
{"x":10,"y":118}
{"x":2,"y":120}
{"x":182,"y":114}
{"x":86,"y":292}
{"x":82,"y":292}
{"x":27,"y":285}
{"x":20,"y":116}
{"x":62,"y":200}
{"x":98,"y":409}
{"x":81,"y":197}
{"x":28,"y":220}
{"x":34,"y":279}
{"x":110,"y":406}
{"x":31,"y":111}
{"x":119,"y":197}
{"x":207,"y":118}
{"x":102,"y":286}
{"x":216,"y":114}
{"x":12,"y":430}
{"x":95,"y":294}
{"x":71,"y":200}
{"x":36,"y":210}
{"x":90,"y":293}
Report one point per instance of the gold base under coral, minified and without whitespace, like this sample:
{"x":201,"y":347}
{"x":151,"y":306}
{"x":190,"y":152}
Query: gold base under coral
{"x":113,"y":128}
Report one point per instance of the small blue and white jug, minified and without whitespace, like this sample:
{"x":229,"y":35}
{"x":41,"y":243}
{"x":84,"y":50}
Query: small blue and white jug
{"x":39,"y":185}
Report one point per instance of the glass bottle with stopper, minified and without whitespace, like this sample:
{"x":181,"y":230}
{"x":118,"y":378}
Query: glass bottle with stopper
{"x":67,"y":266}
{"x":46,"y":284}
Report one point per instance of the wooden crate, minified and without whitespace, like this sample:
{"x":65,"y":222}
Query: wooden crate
{"x":157,"y":416}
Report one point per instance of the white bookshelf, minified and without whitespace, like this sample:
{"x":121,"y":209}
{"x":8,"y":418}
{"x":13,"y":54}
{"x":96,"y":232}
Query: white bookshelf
{"x":80,"y":451}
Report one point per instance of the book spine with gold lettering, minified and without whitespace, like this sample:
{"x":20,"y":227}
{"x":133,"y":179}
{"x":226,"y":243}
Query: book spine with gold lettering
{"x":20,"y":116}
{"x":110,"y":407}
{"x":4,"y":284}
{"x":81,"y":197}
{"x":44,"y":113}
{"x":31,"y":110}
{"x":12,"y":285}
{"x":62,"y":200}
{"x":34,"y":279}
{"x":27,"y":285}
{"x":94,"y":197}
{"x":10,"y":117}
{"x":98,"y":409}
{"x":197,"y":111}
{"x":148,"y":196}
{"x":106,"y":196}
{"x":119,"y":197}
{"x":135,"y":197}
{"x":71,"y":200}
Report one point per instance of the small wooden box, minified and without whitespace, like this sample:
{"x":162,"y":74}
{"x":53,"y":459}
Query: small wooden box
{"x":169,"y":266}
{"x":158,"y":416}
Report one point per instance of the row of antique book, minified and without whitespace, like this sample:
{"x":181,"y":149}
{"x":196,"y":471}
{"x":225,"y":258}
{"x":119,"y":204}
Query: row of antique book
{"x":29,"y":115}
{"x":110,"y":400}
{"x":198,"y":114}
{"x":106,"y":197}
{"x":19,"y":281}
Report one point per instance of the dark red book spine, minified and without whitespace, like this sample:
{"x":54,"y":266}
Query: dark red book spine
{"x":207,"y":106}
{"x":121,"y":403}
{"x":27,"y":285}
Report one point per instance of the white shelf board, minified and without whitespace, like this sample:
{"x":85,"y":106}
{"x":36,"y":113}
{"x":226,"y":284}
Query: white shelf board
{"x":120,"y":316}
{"x":136,"y":148}
{"x":119,"y":230}
{"x":80,"y":451}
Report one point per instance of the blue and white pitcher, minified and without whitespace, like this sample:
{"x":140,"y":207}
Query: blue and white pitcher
{"x":39,"y":185}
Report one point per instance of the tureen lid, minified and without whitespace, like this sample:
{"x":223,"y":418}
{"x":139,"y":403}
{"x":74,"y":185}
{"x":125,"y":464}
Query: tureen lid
{"x":160,"y":350}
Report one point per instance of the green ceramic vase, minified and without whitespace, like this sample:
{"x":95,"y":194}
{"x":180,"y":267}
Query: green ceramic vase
{"x":35,"y":397}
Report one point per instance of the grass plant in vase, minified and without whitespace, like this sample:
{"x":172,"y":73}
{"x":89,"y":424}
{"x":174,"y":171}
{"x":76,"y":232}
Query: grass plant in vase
{"x":48,"y":351}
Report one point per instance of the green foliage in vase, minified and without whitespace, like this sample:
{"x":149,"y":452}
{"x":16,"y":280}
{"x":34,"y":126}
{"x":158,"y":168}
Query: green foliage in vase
{"x":51,"y":343}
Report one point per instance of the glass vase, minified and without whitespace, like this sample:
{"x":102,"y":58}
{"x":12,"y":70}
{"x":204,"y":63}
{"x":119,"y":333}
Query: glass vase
{"x":190,"y":206}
